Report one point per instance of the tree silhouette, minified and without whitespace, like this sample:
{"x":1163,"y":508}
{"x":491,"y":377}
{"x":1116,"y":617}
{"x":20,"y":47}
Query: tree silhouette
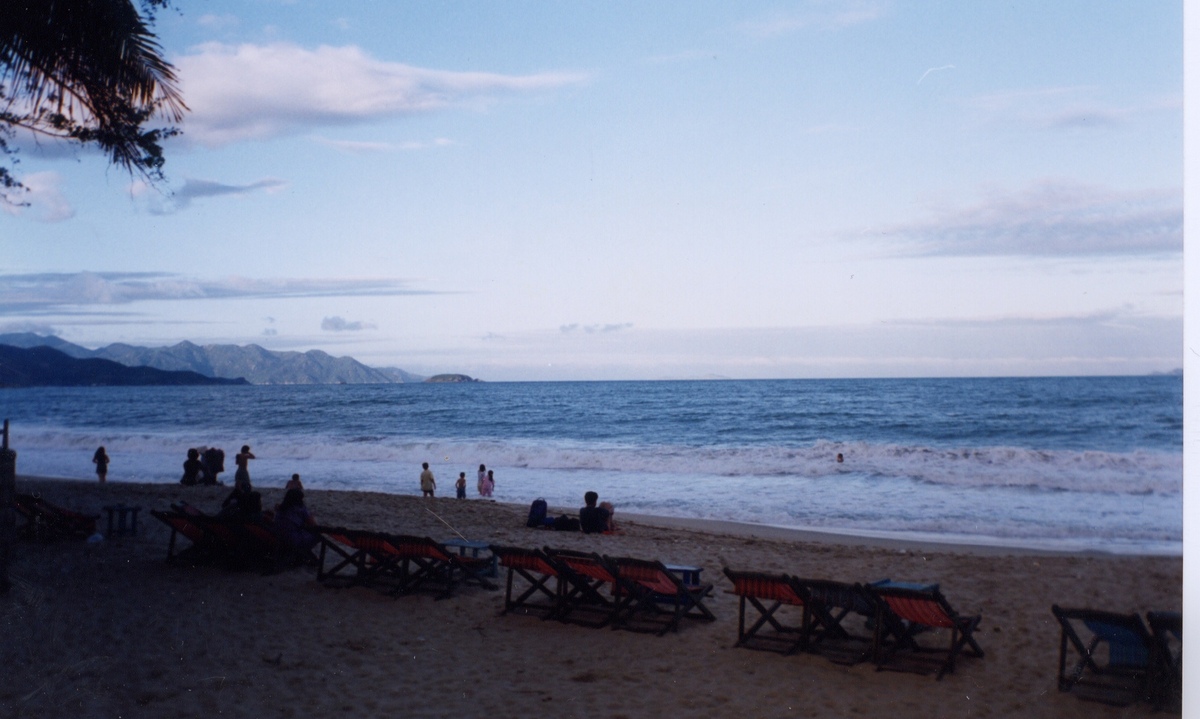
{"x":90,"y":72}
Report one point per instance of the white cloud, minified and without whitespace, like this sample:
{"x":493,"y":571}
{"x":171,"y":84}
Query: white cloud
{"x":366,"y":147}
{"x":596,"y":328}
{"x":1065,"y":108}
{"x":217,"y":22}
{"x":820,"y":14}
{"x":1049,"y":219}
{"x":164,"y":204}
{"x":43,"y":199}
{"x":48,"y":291}
{"x":249,"y":91}
{"x":338,"y":324}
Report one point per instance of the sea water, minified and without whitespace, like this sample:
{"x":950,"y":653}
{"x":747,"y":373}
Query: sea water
{"x":1061,"y":463}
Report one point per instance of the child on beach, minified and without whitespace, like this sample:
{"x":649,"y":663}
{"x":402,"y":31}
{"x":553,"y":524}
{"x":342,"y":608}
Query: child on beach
{"x":294,"y":483}
{"x":192,"y":467}
{"x":460,"y":487}
{"x":487,"y":485}
{"x":100,"y":459}
{"x":428,"y":483}
{"x":480,"y":479}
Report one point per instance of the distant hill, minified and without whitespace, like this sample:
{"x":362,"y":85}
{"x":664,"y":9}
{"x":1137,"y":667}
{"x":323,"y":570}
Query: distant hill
{"x":48,"y":367}
{"x":255,"y":364}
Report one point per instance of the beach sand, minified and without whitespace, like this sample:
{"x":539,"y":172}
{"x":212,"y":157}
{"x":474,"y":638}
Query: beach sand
{"x":112,"y":630}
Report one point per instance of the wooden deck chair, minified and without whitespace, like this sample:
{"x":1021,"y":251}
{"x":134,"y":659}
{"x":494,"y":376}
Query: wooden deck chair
{"x":1166,"y":678}
{"x":46,"y":522}
{"x":424,"y":562}
{"x":537,"y":573}
{"x":830,"y":606}
{"x":922,"y":610}
{"x":204,"y":546}
{"x":756,"y":589}
{"x":347,"y":560}
{"x":654,"y":598}
{"x":585,"y":577}
{"x":1113,"y":653}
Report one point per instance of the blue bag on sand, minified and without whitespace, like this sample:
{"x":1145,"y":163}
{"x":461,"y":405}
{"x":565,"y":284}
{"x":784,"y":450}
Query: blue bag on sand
{"x":537,"y":513}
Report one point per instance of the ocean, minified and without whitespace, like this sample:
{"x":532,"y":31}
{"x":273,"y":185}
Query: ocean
{"x":1071,"y":463}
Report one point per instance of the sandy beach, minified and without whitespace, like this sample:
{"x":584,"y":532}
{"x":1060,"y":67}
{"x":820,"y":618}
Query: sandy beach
{"x":110,"y":629}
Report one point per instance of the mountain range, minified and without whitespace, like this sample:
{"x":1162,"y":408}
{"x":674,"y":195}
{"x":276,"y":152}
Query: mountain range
{"x":256,"y":364}
{"x":47,"y":367}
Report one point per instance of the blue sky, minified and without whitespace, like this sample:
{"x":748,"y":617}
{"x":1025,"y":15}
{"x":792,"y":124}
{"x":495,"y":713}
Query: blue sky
{"x":535,"y":190}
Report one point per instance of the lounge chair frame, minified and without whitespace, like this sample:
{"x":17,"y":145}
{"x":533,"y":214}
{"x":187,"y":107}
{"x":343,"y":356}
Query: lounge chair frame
{"x":756,"y":589}
{"x":585,"y":577}
{"x":542,"y":581}
{"x":1120,"y":678}
{"x":919,"y":610}
{"x":646,"y":586}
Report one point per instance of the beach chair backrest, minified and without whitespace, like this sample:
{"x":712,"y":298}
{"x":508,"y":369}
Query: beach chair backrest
{"x":521,"y":558}
{"x":1126,"y":646}
{"x":924,"y":608}
{"x":181,"y":523}
{"x":588,"y":565}
{"x":761,"y":585}
{"x":651,"y":575}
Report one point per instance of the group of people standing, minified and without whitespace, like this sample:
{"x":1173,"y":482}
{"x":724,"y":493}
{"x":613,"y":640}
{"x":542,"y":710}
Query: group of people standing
{"x":485,"y":482}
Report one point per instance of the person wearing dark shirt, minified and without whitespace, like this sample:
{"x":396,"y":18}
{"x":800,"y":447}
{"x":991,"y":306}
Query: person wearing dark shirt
{"x":192,"y":468}
{"x":592,"y":519}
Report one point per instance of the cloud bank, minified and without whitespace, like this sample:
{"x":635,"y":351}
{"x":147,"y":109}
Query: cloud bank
{"x":1051,"y":219}
{"x":248,"y":92}
{"x":338,"y":324}
{"x":47,"y":292}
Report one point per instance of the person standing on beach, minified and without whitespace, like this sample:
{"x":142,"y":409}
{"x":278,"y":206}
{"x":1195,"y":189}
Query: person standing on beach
{"x":480,"y":479}
{"x":241,"y":478}
{"x":428,"y":483}
{"x":100,"y":459}
{"x":487,"y":485}
{"x":460,"y":487}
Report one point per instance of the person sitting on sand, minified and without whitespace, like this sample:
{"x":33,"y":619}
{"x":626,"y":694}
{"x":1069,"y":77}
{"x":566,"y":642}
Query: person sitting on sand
{"x":242,"y":504}
{"x":241,"y":478}
{"x":293,"y":483}
{"x":592,"y":519}
{"x":292,"y":521}
{"x":460,"y":487}
{"x":428,"y":483}
{"x":100,"y":459}
{"x":612,"y":524}
{"x":192,"y":467}
{"x":213,"y":459}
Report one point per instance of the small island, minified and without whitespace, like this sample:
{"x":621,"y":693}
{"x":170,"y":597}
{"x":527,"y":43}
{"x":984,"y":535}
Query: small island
{"x":452,"y":378}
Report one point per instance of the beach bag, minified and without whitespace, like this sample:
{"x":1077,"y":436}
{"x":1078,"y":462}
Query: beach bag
{"x":566,"y":524}
{"x":537,"y":513}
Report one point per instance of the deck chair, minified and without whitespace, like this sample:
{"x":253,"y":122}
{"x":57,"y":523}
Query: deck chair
{"x":756,"y":590}
{"x":423,"y":562}
{"x":1114,"y":655}
{"x":204,"y":546}
{"x":347,"y":559}
{"x":922,"y":610}
{"x":830,"y":607}
{"x":542,"y":583}
{"x":46,"y":522}
{"x":1166,"y":679}
{"x":585,"y":577}
{"x":653,"y":598}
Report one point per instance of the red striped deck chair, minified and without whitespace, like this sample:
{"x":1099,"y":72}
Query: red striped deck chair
{"x":1112,"y":655}
{"x":46,"y":522}
{"x":655,"y":598}
{"x":585,"y":578}
{"x":537,"y":573}
{"x":424,"y":562}
{"x":204,"y":547}
{"x":770,"y":595}
{"x":346,"y":563}
{"x":922,"y":610}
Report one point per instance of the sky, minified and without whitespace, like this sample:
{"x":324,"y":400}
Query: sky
{"x":627,"y":190}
